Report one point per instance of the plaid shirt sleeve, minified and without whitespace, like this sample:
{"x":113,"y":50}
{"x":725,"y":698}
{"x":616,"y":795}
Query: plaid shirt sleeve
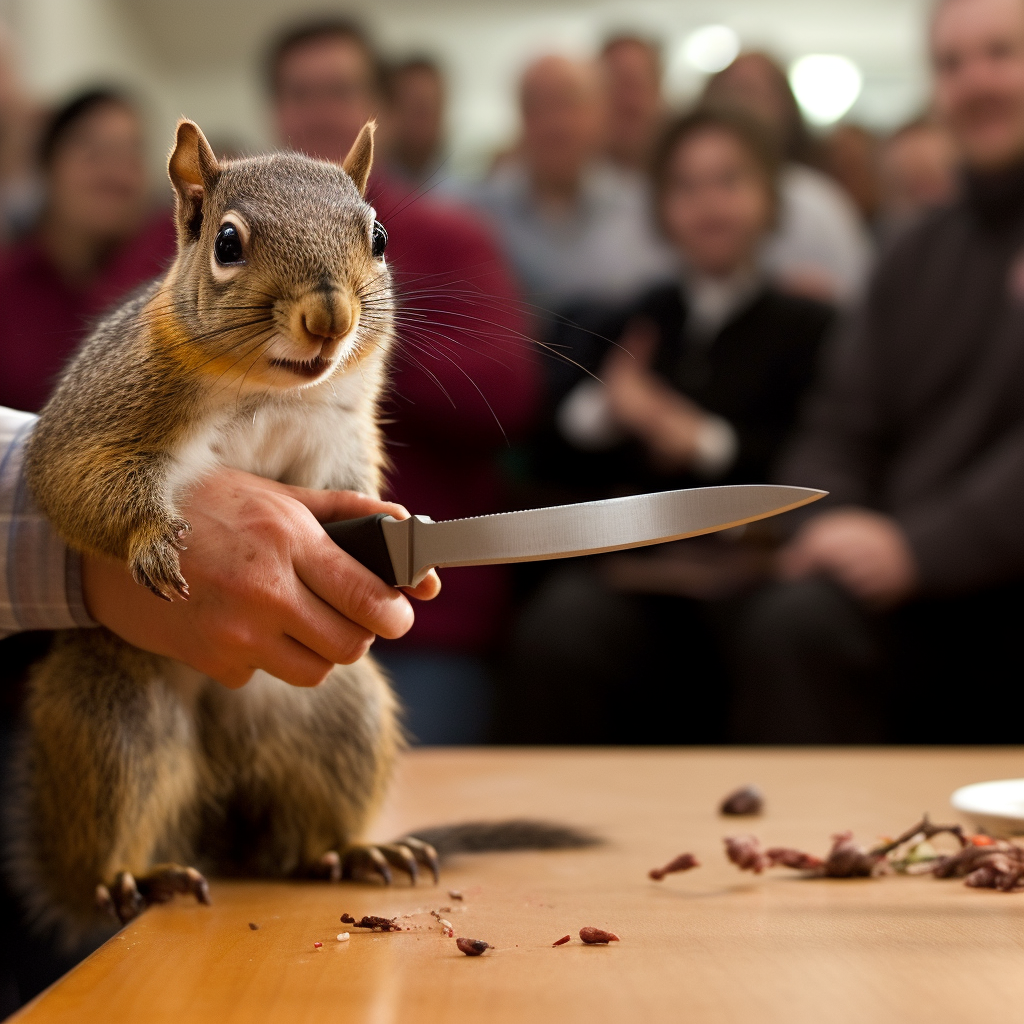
{"x":40,"y":578}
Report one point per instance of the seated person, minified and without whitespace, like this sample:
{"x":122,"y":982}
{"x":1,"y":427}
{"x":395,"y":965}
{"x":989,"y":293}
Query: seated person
{"x":910,"y":587}
{"x":413,"y":124}
{"x":574,"y":227}
{"x":98,"y":238}
{"x":703,"y":387}
{"x":820,"y":247}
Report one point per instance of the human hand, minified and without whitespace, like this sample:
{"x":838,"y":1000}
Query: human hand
{"x":864,"y":551}
{"x":668,"y":423}
{"x":269,"y":589}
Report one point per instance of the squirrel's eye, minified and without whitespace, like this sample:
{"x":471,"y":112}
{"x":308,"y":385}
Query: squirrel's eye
{"x":378,"y":240}
{"x":228,"y":246}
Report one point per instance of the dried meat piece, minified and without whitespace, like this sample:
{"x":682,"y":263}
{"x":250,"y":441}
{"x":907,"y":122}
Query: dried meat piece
{"x":748,"y":800}
{"x":746,"y":853}
{"x":684,"y":862}
{"x":965,"y":860}
{"x":472,"y":947}
{"x":597,"y":936}
{"x":996,"y":870}
{"x":790,"y":858}
{"x":848,"y":859}
{"x":377,"y":924}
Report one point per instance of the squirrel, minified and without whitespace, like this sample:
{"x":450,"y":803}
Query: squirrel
{"x":262,"y":348}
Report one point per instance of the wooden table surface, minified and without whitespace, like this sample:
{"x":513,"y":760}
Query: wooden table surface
{"x":710,"y":945}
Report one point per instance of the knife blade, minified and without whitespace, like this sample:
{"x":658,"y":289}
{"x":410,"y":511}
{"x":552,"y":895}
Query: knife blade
{"x":402,"y":551}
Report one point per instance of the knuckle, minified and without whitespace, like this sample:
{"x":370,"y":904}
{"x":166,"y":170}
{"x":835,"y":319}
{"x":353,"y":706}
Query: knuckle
{"x":365,"y":604}
{"x":235,"y":635}
{"x":357,"y":645}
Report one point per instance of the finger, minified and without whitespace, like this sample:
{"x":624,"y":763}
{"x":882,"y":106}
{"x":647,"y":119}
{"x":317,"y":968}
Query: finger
{"x":351,"y":589}
{"x":321,"y":629}
{"x":286,"y":659}
{"x":232,"y":677}
{"x":331,"y":506}
{"x":427,"y":589}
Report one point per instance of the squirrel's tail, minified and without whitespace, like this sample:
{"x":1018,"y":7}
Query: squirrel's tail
{"x":515,"y":834}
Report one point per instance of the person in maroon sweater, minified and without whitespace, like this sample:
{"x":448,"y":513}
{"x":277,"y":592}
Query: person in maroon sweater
{"x":96,"y":241}
{"x":464,"y":377}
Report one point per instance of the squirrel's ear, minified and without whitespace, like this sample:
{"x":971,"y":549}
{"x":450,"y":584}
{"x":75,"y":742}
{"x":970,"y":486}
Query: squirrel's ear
{"x":360,"y":157}
{"x":193,"y":170}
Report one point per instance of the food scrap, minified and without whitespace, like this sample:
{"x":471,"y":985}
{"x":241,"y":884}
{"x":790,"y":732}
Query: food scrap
{"x":472,"y":947}
{"x":343,"y":936}
{"x":255,"y":927}
{"x":317,"y":945}
{"x":562,"y":941}
{"x":454,"y":894}
{"x":597,"y":936}
{"x":999,"y":864}
{"x":983,"y":862}
{"x":377,"y":924}
{"x":684,"y":862}
{"x":746,"y":853}
{"x":446,"y":926}
{"x":747,"y":800}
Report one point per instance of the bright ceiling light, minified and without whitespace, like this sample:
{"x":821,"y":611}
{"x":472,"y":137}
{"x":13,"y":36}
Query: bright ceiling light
{"x":711,"y":48}
{"x":826,"y":86}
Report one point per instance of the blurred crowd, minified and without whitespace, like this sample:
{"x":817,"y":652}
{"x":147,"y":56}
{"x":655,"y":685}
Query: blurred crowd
{"x":637,"y":298}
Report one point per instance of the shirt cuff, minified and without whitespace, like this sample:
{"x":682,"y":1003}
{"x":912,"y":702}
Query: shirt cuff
{"x":716,"y":448}
{"x":40,"y":577}
{"x":585,"y":418}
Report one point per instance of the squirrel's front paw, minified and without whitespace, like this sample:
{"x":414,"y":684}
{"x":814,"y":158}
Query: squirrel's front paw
{"x":154,"y":562}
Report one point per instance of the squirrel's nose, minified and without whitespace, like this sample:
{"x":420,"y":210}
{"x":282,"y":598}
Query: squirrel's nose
{"x":320,"y":317}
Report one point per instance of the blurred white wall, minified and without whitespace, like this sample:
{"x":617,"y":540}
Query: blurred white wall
{"x":202,"y":57}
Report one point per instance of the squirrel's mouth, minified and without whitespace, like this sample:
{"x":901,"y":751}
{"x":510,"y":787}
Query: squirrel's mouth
{"x":309,"y":368}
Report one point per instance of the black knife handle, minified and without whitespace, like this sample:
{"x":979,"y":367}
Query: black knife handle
{"x":364,"y":540}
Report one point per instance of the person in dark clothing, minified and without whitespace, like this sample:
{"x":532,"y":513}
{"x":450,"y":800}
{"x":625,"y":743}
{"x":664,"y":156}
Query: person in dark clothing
{"x":910,"y":586}
{"x":703,"y":386}
{"x":463,"y":380}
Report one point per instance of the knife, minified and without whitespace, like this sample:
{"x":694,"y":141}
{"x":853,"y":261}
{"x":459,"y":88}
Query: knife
{"x":402,"y":551}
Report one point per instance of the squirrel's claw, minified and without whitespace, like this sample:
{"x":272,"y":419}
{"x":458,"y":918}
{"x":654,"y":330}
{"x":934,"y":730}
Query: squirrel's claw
{"x":425,"y":854}
{"x":156,"y":565}
{"x":126,"y":897}
{"x":400,"y":856}
{"x":363,"y":861}
{"x":121,"y":898}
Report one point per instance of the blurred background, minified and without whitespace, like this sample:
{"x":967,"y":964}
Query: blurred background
{"x":630,"y":243}
{"x":203,"y":58}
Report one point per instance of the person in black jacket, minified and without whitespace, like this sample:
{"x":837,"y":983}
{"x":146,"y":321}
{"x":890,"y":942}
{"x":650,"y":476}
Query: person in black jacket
{"x":702,"y":386}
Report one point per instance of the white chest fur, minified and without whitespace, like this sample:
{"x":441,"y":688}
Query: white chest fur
{"x":318,"y":437}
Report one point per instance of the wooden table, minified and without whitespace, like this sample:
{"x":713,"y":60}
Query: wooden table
{"x":711,"y":945}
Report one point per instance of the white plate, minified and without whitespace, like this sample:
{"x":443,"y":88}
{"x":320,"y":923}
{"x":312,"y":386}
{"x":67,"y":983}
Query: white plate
{"x":995,"y":807}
